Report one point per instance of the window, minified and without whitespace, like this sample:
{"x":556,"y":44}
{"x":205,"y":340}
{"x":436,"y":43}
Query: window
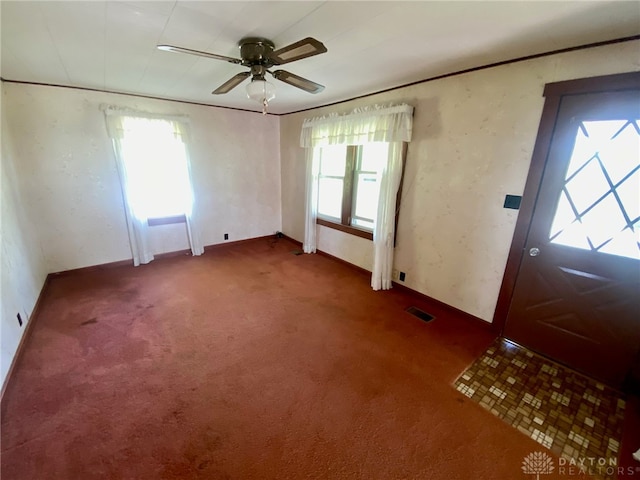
{"x":332,"y":182}
{"x":598,"y":208}
{"x":349,"y":208}
{"x":349,"y":185}
{"x":157,"y":171}
{"x":369,"y":161}
{"x":151,"y":153}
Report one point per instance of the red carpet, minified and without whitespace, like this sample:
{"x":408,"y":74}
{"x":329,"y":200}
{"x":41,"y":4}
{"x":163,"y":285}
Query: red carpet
{"x":247,"y":363}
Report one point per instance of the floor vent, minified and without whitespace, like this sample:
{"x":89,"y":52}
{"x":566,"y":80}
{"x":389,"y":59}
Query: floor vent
{"x":424,"y":316}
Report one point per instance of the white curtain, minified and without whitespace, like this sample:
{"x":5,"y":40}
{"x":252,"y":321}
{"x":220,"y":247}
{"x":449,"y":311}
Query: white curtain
{"x":391,"y":124}
{"x":311,"y":201}
{"x":385,"y":224}
{"x":166,"y":133}
{"x":136,"y":225}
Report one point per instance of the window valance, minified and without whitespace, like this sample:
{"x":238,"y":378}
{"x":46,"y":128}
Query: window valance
{"x":368,"y":124}
{"x":117,"y":119}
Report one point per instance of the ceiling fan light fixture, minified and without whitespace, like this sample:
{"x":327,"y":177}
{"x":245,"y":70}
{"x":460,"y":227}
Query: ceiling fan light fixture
{"x":261,"y":91}
{"x":259,"y":56}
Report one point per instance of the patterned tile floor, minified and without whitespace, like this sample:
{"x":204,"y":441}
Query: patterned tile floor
{"x":572,"y":415}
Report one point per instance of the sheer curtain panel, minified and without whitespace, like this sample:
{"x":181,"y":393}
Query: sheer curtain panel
{"x":391,"y":124}
{"x":385,"y":226}
{"x":311,"y":201}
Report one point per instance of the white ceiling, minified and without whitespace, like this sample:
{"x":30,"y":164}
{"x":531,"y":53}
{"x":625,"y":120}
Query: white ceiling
{"x":372,"y":45}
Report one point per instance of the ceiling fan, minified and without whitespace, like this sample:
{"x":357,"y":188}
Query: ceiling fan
{"x":259,"y":55}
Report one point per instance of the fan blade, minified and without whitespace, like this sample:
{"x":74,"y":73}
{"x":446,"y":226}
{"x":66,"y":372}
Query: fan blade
{"x":171,"y":48}
{"x":231,"y":83}
{"x":297,"y":81}
{"x":307,"y":47}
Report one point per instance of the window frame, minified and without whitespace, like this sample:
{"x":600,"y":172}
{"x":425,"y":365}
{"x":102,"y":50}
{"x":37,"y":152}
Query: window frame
{"x":348,"y":197}
{"x":156,"y":221}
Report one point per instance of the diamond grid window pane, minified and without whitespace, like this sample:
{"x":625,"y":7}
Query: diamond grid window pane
{"x":573,"y":236}
{"x":587,"y":186}
{"x":620,"y":155}
{"x":604,"y":189}
{"x":582,"y":152}
{"x":629,"y":193}
{"x":564,"y":216}
{"x":623,"y":244}
{"x":604,"y":221}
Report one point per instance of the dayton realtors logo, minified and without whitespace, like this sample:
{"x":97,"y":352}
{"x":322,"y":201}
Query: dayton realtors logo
{"x":540,"y":463}
{"x":537,"y":463}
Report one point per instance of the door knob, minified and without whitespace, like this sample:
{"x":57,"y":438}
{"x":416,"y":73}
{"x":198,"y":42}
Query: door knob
{"x":534,"y":252}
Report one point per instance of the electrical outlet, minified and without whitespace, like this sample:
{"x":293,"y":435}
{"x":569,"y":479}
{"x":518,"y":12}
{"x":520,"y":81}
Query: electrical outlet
{"x":394,"y":274}
{"x":402,"y":276}
{"x":226,"y":236}
{"x":19,"y":319}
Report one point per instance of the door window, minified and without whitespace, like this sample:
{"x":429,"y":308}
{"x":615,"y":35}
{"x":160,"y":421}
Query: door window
{"x":599,"y":205}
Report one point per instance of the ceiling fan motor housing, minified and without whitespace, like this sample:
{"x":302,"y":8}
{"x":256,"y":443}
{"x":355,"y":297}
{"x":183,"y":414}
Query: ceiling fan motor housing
{"x":256,"y":51}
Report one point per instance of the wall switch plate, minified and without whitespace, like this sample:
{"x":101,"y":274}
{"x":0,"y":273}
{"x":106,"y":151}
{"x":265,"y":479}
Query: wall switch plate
{"x":512,"y":201}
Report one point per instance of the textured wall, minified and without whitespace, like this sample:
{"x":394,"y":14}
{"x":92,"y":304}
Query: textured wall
{"x":22,"y":263}
{"x":68,"y":173}
{"x":473,"y":139}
